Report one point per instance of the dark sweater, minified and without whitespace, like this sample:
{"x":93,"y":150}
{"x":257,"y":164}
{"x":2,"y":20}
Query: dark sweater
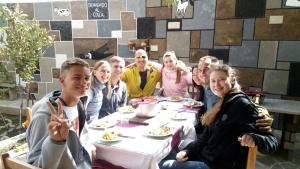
{"x":218,"y":145}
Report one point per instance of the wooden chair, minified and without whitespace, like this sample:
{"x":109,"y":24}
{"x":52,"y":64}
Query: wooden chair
{"x":29,"y":93}
{"x":251,"y":160}
{"x":28,"y":113}
{"x":11,"y":163}
{"x":193,"y":91}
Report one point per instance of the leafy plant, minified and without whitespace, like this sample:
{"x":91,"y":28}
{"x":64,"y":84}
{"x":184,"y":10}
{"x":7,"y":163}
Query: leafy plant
{"x":169,"y":2}
{"x":5,"y":76}
{"x":22,"y":45}
{"x":24,"y":42}
{"x":3,"y":93}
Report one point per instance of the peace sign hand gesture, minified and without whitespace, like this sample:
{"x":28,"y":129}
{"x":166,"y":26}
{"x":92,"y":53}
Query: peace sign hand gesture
{"x":58,"y":127}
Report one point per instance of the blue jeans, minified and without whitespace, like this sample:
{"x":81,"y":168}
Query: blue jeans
{"x":173,"y":164}
{"x":170,"y":163}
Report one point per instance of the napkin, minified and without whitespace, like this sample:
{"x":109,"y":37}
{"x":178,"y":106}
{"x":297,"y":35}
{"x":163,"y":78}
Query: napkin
{"x":138,"y":120}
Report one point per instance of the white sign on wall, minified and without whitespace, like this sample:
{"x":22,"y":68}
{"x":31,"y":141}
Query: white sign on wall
{"x":294,"y":3}
{"x":60,"y":58}
{"x":77,"y":24}
{"x":62,"y":11}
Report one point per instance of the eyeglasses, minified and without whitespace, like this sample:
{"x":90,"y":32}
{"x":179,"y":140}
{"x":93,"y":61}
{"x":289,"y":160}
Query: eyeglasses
{"x":138,"y":57}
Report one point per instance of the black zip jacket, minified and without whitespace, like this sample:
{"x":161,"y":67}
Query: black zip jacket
{"x":218,"y":145}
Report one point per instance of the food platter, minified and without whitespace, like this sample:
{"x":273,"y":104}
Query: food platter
{"x":110,"y":136}
{"x":174,"y":98}
{"x":163,"y":131}
{"x":103,"y":123}
{"x":126,"y":109}
{"x":193,"y":104}
{"x":178,"y":116}
{"x":144,"y":100}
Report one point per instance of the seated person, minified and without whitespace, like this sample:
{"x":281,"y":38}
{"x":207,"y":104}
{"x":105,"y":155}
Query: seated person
{"x":114,"y":95}
{"x":174,"y":73}
{"x":52,"y":141}
{"x":174,"y":81}
{"x":202,"y":79}
{"x":209,"y":99}
{"x":100,"y":76}
{"x":196,"y":83}
{"x":229,"y":129}
{"x":141,"y":78}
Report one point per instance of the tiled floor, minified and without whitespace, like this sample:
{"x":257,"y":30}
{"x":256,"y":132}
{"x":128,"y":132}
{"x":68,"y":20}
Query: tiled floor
{"x":275,"y":162}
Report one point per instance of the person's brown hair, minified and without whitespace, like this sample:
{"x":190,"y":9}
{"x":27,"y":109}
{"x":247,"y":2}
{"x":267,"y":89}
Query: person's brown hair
{"x":66,"y":65}
{"x":209,"y":117}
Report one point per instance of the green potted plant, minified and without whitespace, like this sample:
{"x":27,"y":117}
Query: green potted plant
{"x":24,"y":39}
{"x":169,"y":3}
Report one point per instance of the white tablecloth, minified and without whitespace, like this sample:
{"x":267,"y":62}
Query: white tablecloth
{"x":143,"y":152}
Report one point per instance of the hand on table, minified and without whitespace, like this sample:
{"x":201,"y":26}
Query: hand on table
{"x":58,"y":127}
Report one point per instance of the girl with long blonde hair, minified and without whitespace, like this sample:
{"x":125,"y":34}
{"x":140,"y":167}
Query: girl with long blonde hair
{"x":230,"y":129}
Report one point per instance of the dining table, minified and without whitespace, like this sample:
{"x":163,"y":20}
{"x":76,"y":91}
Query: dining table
{"x":287,"y":119}
{"x":136,"y":146}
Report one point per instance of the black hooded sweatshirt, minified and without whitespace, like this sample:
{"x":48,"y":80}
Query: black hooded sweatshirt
{"x":218,"y":145}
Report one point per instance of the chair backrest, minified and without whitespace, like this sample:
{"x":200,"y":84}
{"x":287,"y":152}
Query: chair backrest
{"x":11,"y":163}
{"x":251,"y":160}
{"x":28,"y":113}
{"x":193,"y":91}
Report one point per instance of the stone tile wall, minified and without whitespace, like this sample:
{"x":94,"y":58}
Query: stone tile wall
{"x":261,"y":38}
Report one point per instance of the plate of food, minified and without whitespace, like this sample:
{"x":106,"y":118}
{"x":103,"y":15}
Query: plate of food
{"x":160,"y":132}
{"x":110,"y":136}
{"x":126,"y":109}
{"x":193,"y":104}
{"x":175,"y":98}
{"x":103,"y":123}
{"x":178,"y":116}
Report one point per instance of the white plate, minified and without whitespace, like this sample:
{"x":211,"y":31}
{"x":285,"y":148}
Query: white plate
{"x":156,"y":133}
{"x":110,"y":141}
{"x":126,"y":109}
{"x":175,"y":99}
{"x":103,"y":123}
{"x":115,"y":139}
{"x":193,"y":104}
{"x":178,"y":116}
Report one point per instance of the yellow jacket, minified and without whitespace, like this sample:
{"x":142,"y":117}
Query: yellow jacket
{"x":131,"y":77}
